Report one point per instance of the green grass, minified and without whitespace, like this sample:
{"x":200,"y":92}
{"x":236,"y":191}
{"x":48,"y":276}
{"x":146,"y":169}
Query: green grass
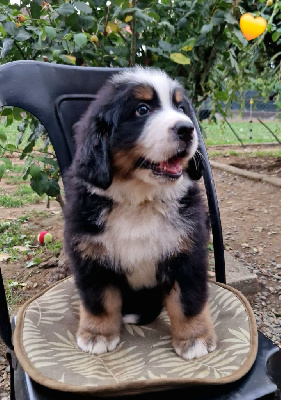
{"x":53,"y":247}
{"x":23,"y":195}
{"x":259,"y":153}
{"x":15,"y":179}
{"x":221,"y":134}
{"x":12,"y":134}
{"x":15,"y":175}
{"x":11,"y":234}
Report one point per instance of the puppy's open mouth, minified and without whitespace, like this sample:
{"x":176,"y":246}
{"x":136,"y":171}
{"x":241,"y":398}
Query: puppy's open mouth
{"x":171,"y":168}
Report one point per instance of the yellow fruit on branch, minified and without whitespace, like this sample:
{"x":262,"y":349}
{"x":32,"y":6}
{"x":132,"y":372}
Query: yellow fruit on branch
{"x":21,"y":18}
{"x":94,"y":39}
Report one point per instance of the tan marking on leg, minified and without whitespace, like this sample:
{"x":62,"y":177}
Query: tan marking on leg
{"x":192,"y":337}
{"x":178,"y":95}
{"x":98,"y":334}
{"x":143,"y":92}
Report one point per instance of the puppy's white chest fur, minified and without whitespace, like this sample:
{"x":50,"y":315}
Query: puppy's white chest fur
{"x":137,"y":237}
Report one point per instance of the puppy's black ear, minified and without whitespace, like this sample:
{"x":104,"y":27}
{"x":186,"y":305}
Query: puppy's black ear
{"x":195,"y":166}
{"x":92,"y":158}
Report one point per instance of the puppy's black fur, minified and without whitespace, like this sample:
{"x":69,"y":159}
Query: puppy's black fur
{"x":111,"y":141}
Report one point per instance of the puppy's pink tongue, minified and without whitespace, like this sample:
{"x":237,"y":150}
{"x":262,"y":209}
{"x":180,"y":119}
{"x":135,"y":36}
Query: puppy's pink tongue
{"x":173,"y":165}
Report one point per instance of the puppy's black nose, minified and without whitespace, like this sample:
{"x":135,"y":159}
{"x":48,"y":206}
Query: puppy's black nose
{"x":184,"y":130}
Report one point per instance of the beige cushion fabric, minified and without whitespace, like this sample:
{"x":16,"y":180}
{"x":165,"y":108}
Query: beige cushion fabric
{"x":45,"y":344}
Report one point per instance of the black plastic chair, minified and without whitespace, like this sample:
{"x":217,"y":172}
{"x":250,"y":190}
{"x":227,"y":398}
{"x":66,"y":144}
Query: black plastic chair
{"x":57,"y":95}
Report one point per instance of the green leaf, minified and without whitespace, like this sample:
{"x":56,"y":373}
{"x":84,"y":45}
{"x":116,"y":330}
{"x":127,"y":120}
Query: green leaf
{"x":7,"y":162}
{"x":218,"y":18}
{"x":201,"y":40}
{"x":206,"y":29}
{"x":50,"y":32}
{"x":7,"y":111}
{"x":179,"y":58}
{"x":2,"y":170}
{"x":35,"y":171}
{"x":143,"y":16}
{"x":29,"y":264}
{"x":167,"y":25}
{"x":165,"y":46}
{"x":153,"y":15}
{"x":17,"y":114}
{"x":56,"y":54}
{"x":11,"y":28}
{"x":188,"y":44}
{"x":233,"y":61}
{"x":86,"y":22}
{"x":40,"y":185}
{"x":53,"y":189}
{"x":46,"y":160}
{"x":66,"y":9}
{"x":22,"y":35}
{"x":83,"y":7}
{"x":275,"y":36}
{"x":72,"y":21}
{"x":7,"y":46}
{"x":68,"y":59}
{"x":221,"y":95}
{"x":35,"y":10}
{"x":240,"y":36}
{"x":229,"y":18}
{"x":9,"y":120}
{"x":3,"y":137}
{"x":28,"y":149}
{"x":80,"y":39}
{"x":11,"y":147}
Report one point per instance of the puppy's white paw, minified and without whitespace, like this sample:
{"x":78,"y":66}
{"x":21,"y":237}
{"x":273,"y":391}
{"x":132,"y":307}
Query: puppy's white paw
{"x":194,"y":349}
{"x":97,"y":345}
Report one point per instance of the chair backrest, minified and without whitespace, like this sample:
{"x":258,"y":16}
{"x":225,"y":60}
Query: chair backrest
{"x":57,"y":95}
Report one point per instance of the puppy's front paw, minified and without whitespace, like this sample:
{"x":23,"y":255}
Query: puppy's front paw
{"x":98,"y":334}
{"x":192,"y":336}
{"x":98,"y":344}
{"x":190,"y":349}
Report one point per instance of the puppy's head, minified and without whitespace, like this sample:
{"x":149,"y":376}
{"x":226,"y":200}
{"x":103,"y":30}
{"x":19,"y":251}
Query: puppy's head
{"x":138,"y":128}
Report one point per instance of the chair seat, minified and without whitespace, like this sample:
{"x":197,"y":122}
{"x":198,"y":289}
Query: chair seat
{"x":144,"y":361}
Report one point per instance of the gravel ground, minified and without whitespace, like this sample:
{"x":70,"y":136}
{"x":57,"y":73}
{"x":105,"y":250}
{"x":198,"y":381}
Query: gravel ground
{"x":251,"y":221}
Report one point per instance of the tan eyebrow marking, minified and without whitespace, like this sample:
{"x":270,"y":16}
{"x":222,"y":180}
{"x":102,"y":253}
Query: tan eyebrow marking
{"x":143,"y":92}
{"x":178,"y":95}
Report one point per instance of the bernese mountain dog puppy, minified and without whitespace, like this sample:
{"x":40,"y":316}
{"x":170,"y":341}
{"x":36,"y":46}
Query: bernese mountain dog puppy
{"x":136,"y":228}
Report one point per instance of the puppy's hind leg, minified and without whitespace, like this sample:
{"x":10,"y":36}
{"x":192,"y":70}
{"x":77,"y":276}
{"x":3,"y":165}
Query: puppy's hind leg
{"x":142,"y":306}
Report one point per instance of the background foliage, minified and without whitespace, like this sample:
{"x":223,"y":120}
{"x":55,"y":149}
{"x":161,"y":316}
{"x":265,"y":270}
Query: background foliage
{"x":199,"y":42}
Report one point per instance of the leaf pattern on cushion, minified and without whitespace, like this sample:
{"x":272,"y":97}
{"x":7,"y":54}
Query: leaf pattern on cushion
{"x":145,"y":352}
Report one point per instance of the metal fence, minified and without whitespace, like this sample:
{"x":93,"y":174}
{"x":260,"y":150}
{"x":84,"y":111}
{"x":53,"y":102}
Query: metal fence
{"x":252,"y":109}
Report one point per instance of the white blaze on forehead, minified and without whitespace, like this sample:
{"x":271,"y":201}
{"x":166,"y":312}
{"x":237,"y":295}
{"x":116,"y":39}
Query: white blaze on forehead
{"x":157,"y":79}
{"x":157,"y":136}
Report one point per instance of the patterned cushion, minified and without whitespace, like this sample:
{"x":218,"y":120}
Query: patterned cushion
{"x":45,"y":344}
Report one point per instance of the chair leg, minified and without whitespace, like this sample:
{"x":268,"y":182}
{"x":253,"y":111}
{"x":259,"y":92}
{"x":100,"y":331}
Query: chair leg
{"x":11,"y":359}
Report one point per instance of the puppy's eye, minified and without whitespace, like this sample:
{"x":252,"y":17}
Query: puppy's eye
{"x":181,"y":108}
{"x":142,"y":110}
